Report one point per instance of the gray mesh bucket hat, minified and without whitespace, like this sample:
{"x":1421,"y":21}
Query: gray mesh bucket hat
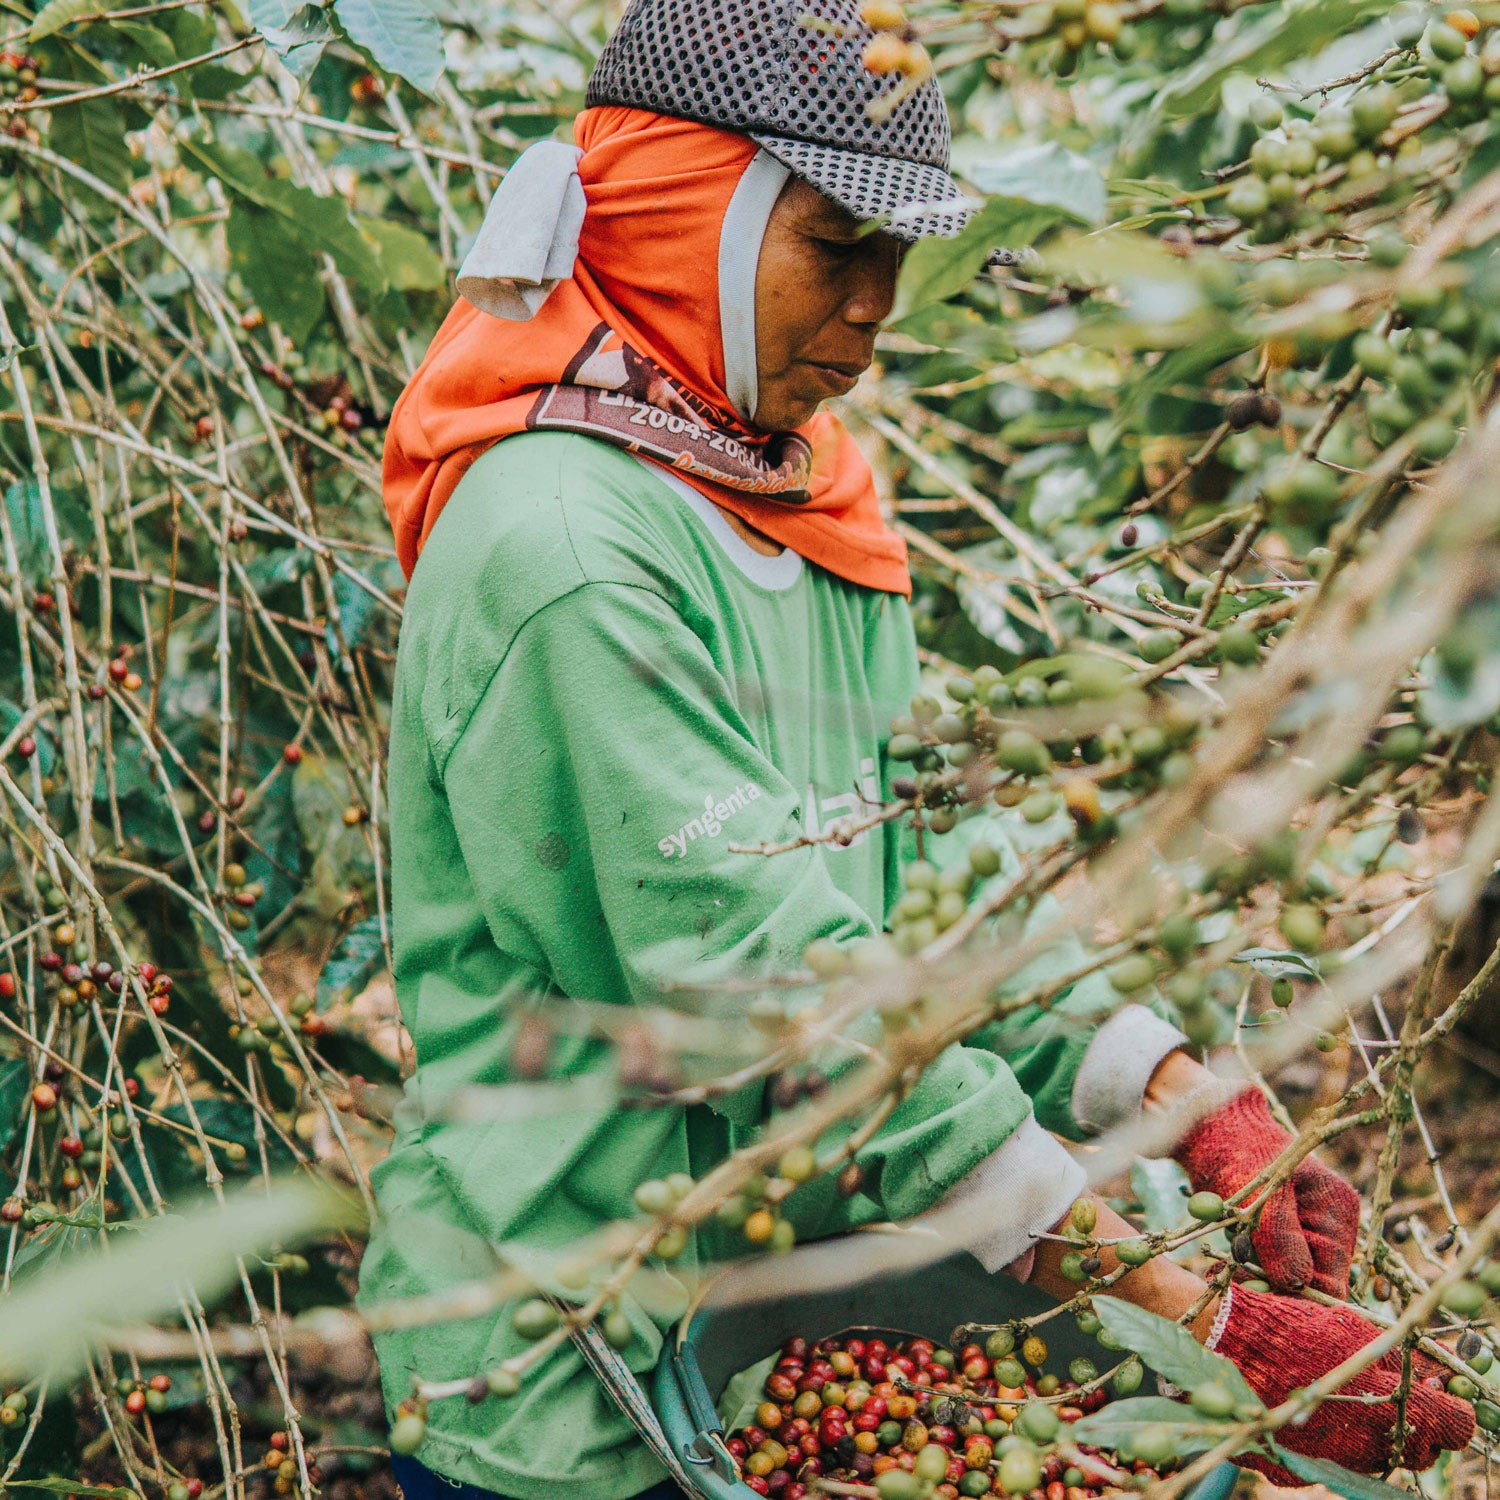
{"x":790,"y":74}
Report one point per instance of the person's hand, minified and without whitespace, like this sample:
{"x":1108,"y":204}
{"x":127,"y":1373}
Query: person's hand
{"x":1308,"y":1226}
{"x":1282,"y":1343}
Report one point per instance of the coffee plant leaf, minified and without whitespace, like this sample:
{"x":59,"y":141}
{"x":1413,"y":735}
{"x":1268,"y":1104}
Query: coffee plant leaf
{"x":90,"y":134}
{"x":1170,"y":1349}
{"x":351,"y":966}
{"x":319,"y":223}
{"x":935,"y":269}
{"x":212,"y":82}
{"x":278,"y":270}
{"x":409,"y":262}
{"x":403,"y":36}
{"x":1279,"y":963}
{"x":233,"y":1120}
{"x":1162,"y":1188}
{"x":23,"y":503}
{"x":744,"y":1393}
{"x":1335,"y":1477}
{"x":148,"y":46}
{"x":15,"y":1084}
{"x":1119,"y":1421}
{"x":1041,"y":174}
{"x":1259,"y":46}
{"x":296,"y":33}
{"x":68,"y":1487}
{"x":59,"y":13}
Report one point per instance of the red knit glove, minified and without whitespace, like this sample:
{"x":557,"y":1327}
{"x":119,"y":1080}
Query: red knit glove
{"x":1308,"y":1226}
{"x":1281,"y":1343}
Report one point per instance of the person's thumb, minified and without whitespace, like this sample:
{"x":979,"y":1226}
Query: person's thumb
{"x":1435,"y":1421}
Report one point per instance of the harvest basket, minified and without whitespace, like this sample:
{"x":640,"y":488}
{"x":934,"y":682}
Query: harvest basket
{"x":731,"y":1328}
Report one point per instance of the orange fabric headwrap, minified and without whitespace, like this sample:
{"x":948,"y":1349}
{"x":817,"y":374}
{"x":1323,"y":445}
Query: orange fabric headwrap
{"x":657,"y":190}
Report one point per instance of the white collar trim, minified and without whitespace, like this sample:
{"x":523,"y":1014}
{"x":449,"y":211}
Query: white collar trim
{"x":776,"y":572}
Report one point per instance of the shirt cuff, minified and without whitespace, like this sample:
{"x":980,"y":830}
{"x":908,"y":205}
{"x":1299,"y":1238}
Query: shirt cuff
{"x":1111,"y":1081}
{"x":1024,"y":1186}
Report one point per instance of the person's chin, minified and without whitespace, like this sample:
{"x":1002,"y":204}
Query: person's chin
{"x":787,"y":413}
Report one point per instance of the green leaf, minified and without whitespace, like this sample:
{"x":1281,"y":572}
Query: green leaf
{"x":937,"y":268}
{"x":23,"y":504}
{"x":1042,"y":174}
{"x":1170,"y":1349}
{"x":69,"y":1487}
{"x":1339,"y":1479}
{"x":279,"y":272}
{"x":212,"y":81}
{"x":297,"y":32}
{"x":151,"y":45}
{"x":51,"y":1321}
{"x":15,"y":1084}
{"x":1259,"y":48}
{"x":89,"y":133}
{"x":233,"y":1120}
{"x":1162,"y":1188}
{"x":1031,"y":189}
{"x":409,"y":262}
{"x":1279,"y":963}
{"x":1113,"y":1424}
{"x":352,"y":965}
{"x":743,"y":1394}
{"x":56,"y":14}
{"x":403,"y":36}
{"x":319,"y":224}
{"x":274,"y":13}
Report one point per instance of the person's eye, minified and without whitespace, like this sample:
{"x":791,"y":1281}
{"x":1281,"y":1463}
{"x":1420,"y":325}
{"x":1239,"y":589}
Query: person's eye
{"x":838,"y":249}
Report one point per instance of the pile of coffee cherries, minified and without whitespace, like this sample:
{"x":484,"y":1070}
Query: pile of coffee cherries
{"x":915,"y":1421}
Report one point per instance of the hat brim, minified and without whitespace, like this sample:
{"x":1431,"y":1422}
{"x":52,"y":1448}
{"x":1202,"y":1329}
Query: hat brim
{"x":911,"y":199}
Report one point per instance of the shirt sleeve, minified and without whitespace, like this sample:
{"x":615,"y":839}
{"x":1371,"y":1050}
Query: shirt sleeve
{"x":596,"y":791}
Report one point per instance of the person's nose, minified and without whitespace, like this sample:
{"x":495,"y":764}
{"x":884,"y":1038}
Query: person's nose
{"x":873,"y":292}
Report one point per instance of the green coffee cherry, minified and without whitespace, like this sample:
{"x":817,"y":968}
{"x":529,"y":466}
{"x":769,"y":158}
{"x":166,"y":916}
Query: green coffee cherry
{"x":1211,"y":1399}
{"x":1466,"y":1298}
{"x":1038,"y":1421}
{"x":407,"y":1434}
{"x":534,"y":1319}
{"x":1207,"y":1208}
{"x":999,"y":1343}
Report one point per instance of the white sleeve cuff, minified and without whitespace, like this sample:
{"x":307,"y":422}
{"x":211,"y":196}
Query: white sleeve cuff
{"x":1025,"y":1185}
{"x":1118,"y":1065}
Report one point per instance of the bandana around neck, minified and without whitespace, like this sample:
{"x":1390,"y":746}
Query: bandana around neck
{"x":630,"y":349}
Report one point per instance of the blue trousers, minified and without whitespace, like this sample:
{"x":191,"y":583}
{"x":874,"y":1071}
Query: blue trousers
{"x":418,"y":1482}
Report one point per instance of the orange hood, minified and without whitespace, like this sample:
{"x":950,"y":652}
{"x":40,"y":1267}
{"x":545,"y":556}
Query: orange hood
{"x":636,"y":327}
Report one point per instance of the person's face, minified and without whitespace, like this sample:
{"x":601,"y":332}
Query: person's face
{"x":822,"y":290}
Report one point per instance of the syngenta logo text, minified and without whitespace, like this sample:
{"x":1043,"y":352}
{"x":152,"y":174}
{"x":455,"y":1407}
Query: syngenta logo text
{"x":716,"y":812}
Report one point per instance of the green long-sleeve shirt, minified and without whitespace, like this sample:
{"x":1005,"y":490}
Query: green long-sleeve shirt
{"x":600,"y":688}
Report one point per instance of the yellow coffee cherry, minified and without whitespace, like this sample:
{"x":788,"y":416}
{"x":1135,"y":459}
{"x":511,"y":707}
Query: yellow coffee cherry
{"x":885,"y":53}
{"x":882,"y":15}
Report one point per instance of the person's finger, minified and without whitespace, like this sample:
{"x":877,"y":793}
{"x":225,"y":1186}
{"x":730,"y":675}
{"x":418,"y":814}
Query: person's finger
{"x":1280,"y":1245}
{"x":1328,"y":1210}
